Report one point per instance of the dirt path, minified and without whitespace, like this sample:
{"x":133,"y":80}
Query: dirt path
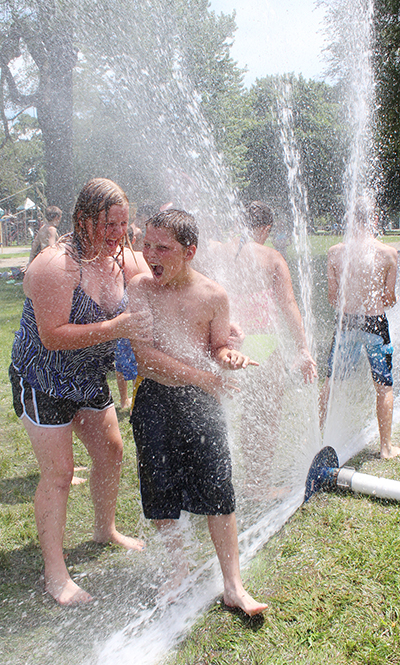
{"x":11,"y":262}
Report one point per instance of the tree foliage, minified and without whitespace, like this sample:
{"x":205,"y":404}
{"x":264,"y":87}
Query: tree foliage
{"x":159,"y":105}
{"x":387,"y":70}
{"x":38,"y":35}
{"x":21,"y":162}
{"x":320,"y":139}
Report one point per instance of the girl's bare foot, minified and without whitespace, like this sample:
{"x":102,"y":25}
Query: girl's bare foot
{"x":77,"y":481}
{"x":119,"y":539}
{"x":394,"y":451}
{"x":244,"y":601}
{"x":68,"y":593}
{"x":126,"y":404}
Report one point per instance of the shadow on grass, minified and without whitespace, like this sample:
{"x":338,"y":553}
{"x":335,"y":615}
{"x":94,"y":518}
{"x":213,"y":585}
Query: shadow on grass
{"x":33,"y":627}
{"x":253,"y":623}
{"x":18,"y":490}
{"x":26,"y":562}
{"x":366,"y":455}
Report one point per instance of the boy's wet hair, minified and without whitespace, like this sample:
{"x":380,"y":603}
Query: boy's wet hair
{"x":364,"y":212}
{"x":52,"y":212}
{"x":181,"y":223}
{"x":259,"y":214}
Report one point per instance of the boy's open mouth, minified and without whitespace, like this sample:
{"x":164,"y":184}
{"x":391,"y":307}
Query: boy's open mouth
{"x":157,"y":269}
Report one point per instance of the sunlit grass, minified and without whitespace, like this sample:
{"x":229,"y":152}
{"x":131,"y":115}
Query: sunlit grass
{"x":331,"y":576}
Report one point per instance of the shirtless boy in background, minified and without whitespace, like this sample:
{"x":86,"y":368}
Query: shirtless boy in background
{"x":260,"y":291}
{"x":47,"y":235}
{"x":361,"y":285}
{"x":179,"y":430}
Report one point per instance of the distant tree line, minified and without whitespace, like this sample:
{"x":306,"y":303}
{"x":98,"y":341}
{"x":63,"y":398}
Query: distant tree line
{"x":145,"y":94}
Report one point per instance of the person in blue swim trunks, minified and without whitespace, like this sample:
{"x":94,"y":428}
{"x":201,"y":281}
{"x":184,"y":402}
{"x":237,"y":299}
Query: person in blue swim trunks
{"x":361,"y":285}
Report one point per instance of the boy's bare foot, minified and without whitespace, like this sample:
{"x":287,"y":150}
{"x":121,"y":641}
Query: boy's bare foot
{"x":394,"y":451}
{"x":244,"y":601}
{"x":119,"y":539}
{"x":68,"y":594}
{"x":76,"y":480}
{"x":170,"y":589}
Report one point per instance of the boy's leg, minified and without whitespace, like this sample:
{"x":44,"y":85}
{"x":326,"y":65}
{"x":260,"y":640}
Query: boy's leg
{"x":53,"y":449}
{"x":172,"y":539}
{"x":99,"y":432}
{"x":384,"y":412}
{"x":323,"y":402}
{"x":223,"y":533}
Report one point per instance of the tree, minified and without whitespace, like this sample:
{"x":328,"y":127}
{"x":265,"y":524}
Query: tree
{"x":319,"y":137}
{"x":40,"y":33}
{"x":21,"y":162}
{"x":387,"y":72}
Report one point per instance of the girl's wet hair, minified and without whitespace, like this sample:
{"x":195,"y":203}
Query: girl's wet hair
{"x":97,"y":195}
{"x":182,"y":224}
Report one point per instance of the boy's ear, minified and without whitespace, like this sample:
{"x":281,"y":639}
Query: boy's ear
{"x":190,"y":252}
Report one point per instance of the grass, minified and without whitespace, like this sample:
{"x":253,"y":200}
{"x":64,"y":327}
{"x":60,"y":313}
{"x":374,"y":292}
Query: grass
{"x":331,"y":575}
{"x":332,"y":579}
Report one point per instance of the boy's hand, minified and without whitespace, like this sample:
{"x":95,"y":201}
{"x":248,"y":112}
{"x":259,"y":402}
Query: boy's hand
{"x":220,"y":386}
{"x":307,"y":365}
{"x":232,"y":359}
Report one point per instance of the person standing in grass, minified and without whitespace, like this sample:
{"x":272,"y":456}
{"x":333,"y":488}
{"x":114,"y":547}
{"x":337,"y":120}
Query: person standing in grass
{"x":47,"y":234}
{"x":178,"y":427}
{"x":260,"y":290}
{"x":73,"y":313}
{"x":361,"y":285}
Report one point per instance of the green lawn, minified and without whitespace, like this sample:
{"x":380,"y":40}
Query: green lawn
{"x":331,"y":575}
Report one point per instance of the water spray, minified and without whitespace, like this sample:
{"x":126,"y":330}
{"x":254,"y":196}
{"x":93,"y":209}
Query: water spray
{"x":325,"y":474}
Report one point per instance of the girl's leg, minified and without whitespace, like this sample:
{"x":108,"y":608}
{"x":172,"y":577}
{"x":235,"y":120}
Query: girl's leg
{"x":99,"y":432}
{"x":123,"y":391}
{"x":53,"y":449}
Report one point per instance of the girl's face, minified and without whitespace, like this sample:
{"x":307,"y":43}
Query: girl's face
{"x":107,"y":236}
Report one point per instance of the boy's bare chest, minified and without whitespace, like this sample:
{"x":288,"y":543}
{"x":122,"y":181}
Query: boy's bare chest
{"x":184,"y":317}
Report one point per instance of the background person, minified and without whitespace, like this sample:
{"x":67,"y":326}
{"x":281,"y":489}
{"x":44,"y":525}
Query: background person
{"x":47,"y":234}
{"x":125,"y":362}
{"x":361,"y":285}
{"x":260,"y":291}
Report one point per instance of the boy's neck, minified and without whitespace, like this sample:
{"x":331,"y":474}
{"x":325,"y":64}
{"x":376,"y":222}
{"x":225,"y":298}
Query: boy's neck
{"x":183,"y":278}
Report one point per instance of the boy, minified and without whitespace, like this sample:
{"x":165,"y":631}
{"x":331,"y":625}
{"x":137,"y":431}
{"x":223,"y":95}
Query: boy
{"x":361,"y":285}
{"x":183,"y":455}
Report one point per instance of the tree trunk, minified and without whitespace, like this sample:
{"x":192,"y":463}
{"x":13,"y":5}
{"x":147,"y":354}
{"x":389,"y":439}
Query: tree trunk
{"x":54,"y":109}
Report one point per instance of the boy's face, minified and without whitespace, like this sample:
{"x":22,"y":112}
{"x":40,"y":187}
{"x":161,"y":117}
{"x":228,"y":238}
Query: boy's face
{"x":165,"y":256}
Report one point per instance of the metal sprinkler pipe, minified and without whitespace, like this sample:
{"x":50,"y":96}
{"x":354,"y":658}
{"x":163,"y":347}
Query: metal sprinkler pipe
{"x":325,"y":474}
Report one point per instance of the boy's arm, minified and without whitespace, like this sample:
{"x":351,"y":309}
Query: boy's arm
{"x":333,"y":283}
{"x":389,"y":293}
{"x":220,"y":330}
{"x":288,"y":305}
